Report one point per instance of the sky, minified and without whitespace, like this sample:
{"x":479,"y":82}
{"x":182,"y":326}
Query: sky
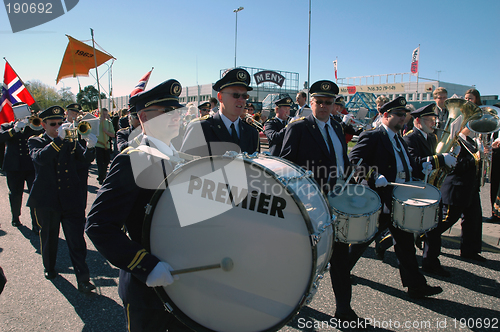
{"x":192,"y":40}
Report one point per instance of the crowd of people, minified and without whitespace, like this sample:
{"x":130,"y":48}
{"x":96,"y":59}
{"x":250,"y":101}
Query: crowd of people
{"x":398,"y":146}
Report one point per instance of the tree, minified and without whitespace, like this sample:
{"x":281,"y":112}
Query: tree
{"x":46,"y":96}
{"x":88,"y":98}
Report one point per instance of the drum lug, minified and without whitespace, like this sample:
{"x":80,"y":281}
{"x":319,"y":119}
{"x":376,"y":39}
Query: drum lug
{"x":251,"y":156}
{"x":315,"y":238}
{"x":148,"y":208}
{"x":168,"y":307}
{"x":230,"y":154}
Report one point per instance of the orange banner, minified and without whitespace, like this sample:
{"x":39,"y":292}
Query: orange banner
{"x":79,"y":59}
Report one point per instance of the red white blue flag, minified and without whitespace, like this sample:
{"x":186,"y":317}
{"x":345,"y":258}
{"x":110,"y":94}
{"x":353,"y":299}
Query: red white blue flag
{"x":141,"y":86}
{"x":414,"y":60}
{"x":13,"y":91}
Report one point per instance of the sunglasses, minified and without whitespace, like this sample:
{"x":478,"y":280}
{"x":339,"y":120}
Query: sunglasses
{"x":53,"y":124}
{"x":238,"y":95}
{"x":324,"y":102}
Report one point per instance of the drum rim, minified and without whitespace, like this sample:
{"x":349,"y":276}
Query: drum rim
{"x":146,"y":231}
{"x":419,"y":206}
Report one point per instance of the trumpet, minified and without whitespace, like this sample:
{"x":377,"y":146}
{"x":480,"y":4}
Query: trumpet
{"x":34,"y":122}
{"x":82,"y":128}
{"x":252,"y":122}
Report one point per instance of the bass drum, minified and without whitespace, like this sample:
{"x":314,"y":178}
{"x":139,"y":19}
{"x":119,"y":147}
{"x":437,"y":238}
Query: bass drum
{"x":265,"y":214}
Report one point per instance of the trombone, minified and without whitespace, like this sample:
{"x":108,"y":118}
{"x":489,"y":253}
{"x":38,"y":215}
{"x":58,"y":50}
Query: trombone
{"x":252,"y":122}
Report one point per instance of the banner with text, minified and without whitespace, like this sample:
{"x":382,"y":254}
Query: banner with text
{"x":378,"y":88}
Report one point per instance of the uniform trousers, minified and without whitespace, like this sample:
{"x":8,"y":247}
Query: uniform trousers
{"x":15,"y":182}
{"x":73,"y":224}
{"x":472,"y":229}
{"x":345,"y":256}
{"x":102,"y":158}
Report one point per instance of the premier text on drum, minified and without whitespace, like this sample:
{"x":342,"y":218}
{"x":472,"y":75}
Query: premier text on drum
{"x":253,"y":201}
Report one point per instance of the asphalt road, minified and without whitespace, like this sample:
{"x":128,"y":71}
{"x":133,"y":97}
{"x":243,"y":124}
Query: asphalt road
{"x":470,"y":300}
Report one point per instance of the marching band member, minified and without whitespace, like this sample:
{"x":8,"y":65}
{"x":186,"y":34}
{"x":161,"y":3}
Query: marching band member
{"x":56,"y":193}
{"x":123,"y":139}
{"x":386,"y":159}
{"x":275,"y":127}
{"x":18,"y":166}
{"x":341,"y":115}
{"x":380,"y":101}
{"x":440,"y":95}
{"x":224,"y":131}
{"x":204,"y":109}
{"x":131,"y":182}
{"x":301,"y":99}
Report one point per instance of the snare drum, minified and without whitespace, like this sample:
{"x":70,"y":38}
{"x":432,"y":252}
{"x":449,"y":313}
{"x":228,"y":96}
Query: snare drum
{"x":357,"y":210}
{"x":416,"y":210}
{"x":264,"y":213}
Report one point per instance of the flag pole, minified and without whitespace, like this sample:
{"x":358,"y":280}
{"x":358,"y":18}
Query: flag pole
{"x":19,"y":77}
{"x":418,"y":67}
{"x":97,"y":76}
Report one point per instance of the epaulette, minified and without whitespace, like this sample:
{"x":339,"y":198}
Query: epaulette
{"x":294,"y":120}
{"x":40,"y":135}
{"x":202,"y":118}
{"x":129,"y":150}
{"x":123,"y":129}
{"x":408,"y":132}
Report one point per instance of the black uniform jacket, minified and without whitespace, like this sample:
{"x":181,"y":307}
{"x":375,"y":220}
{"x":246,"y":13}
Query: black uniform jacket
{"x":420,"y":148}
{"x":57,"y":184}
{"x":208,"y":136}
{"x":121,"y":201}
{"x":304,"y":145}
{"x":17,"y":155}
{"x":379,"y":158}
{"x":464,"y":181}
{"x":275,"y":132}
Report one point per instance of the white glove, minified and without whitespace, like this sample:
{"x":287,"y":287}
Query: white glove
{"x":19,"y":126}
{"x":91,"y":140}
{"x":449,"y":160}
{"x":347,"y":118}
{"x":381,"y":181}
{"x":61,"y":131}
{"x":456,"y":150}
{"x":426,"y":167}
{"x":160,"y":276}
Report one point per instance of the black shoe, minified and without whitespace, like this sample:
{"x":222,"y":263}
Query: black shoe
{"x":85,"y":287}
{"x":50,"y":274}
{"x":379,"y":253}
{"x":474,"y":257}
{"x":423,"y":291}
{"x":437,"y":270}
{"x":355,"y":322}
{"x":418,"y":241}
{"x":16,"y":223}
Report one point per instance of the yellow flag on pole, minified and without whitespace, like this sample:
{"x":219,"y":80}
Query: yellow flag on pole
{"x":79,"y":59}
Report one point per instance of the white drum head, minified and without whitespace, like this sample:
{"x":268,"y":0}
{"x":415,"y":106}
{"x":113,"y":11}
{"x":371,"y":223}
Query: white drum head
{"x":265,"y":236}
{"x":355,"y":200}
{"x":417,"y":197}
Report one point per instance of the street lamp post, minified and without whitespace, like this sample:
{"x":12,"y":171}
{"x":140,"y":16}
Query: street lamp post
{"x":236,"y":32}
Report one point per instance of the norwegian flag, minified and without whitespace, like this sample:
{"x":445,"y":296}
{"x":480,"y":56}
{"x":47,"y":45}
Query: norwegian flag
{"x":141,"y":86}
{"x":13,"y":91}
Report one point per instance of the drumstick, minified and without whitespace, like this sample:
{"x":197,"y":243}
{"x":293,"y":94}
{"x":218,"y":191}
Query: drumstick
{"x":350,"y":176}
{"x":405,"y":185}
{"x":226,"y":265}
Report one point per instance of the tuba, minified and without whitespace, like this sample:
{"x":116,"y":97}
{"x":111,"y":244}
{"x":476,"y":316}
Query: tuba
{"x":458,"y":110}
{"x":488,"y":122}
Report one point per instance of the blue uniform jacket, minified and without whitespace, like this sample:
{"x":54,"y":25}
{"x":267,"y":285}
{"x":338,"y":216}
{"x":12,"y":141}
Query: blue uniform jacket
{"x":379,"y":158}
{"x":214,"y":139}
{"x":275,"y":132}
{"x":120,"y":202}
{"x":57,"y":185}
{"x":304,"y":145}
{"x":17,"y":155}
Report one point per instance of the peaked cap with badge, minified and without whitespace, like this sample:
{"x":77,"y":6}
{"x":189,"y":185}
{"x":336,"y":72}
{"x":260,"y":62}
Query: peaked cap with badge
{"x":324,"y":88}
{"x":164,"y":94}
{"x":424,"y":111}
{"x":204,"y":105}
{"x":53,"y":112}
{"x":74,"y":107}
{"x":285,"y":100}
{"x":234,"y":77}
{"x":340,"y":101}
{"x":394,"y":105}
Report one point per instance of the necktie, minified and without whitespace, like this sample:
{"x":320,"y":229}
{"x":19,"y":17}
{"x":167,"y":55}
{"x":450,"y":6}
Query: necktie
{"x":234,"y":135}
{"x":329,"y":140}
{"x":403,"y":159}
